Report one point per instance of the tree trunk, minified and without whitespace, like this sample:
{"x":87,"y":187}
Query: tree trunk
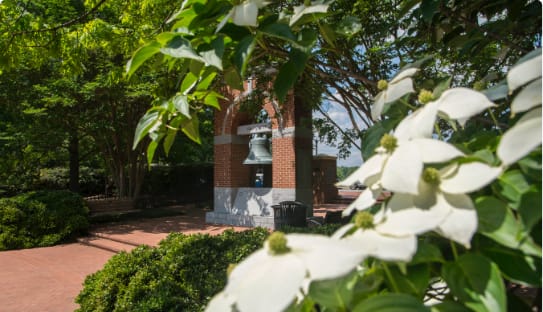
{"x":73,"y":150}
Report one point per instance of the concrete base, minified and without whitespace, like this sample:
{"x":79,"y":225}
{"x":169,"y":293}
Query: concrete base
{"x":251,"y":206}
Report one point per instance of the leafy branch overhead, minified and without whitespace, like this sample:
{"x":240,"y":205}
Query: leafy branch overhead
{"x":211,"y":44}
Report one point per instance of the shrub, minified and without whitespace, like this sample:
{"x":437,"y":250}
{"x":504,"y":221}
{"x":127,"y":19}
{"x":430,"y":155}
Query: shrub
{"x":39,"y":219}
{"x":181,"y":274}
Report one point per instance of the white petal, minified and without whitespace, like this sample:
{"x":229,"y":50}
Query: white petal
{"x":302,"y":10}
{"x":378,"y":104}
{"x":469,"y":177}
{"x":435,"y":151}
{"x":518,"y":141}
{"x":528,"y":98}
{"x":384,"y":247}
{"x":339,"y":233}
{"x":461,"y":224}
{"x":408,"y":217}
{"x":524,"y":73}
{"x":534,"y":113}
{"x":398,"y":89}
{"x":224,"y":20}
{"x":420,"y":124}
{"x":370,"y":168}
{"x":402,"y":169}
{"x":365,"y":200}
{"x":324,"y":257}
{"x":220,"y":303}
{"x":462,"y":103}
{"x":245,"y":14}
{"x":266,"y":283}
{"x":404,"y":74}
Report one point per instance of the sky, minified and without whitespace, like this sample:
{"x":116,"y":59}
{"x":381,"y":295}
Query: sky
{"x":339,"y":115}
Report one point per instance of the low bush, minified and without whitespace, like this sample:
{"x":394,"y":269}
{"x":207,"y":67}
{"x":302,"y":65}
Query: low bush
{"x":39,"y":219}
{"x":181,"y":274}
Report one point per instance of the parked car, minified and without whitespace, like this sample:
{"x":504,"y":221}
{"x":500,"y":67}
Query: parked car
{"x":357,"y":186}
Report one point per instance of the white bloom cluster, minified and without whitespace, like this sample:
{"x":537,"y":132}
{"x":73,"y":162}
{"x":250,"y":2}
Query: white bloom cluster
{"x":428,"y":180}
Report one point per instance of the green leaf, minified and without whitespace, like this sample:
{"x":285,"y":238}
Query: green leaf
{"x":390,"y":303}
{"x":530,"y":208}
{"x":307,"y":38}
{"x":141,"y":55}
{"x":449,"y":306}
{"x":476,"y":282}
{"x":513,"y":185}
{"x":441,"y":87}
{"x":212,"y":55}
{"x":181,"y":104}
{"x":279,"y":30}
{"x":242,"y":53}
{"x":192,"y":130}
{"x":497,"y":92}
{"x":497,"y":222}
{"x":233,"y":79}
{"x":180,"y":47}
{"x":206,"y":80}
{"x":427,"y":253}
{"x":517,"y":267}
{"x":212,"y":99}
{"x":334,"y":294}
{"x":145,"y":124}
{"x":428,"y":9}
{"x":188,"y":83}
{"x":412,"y":282}
{"x":151,"y":148}
{"x":349,"y":26}
{"x":328,"y":34}
{"x":289,"y":72}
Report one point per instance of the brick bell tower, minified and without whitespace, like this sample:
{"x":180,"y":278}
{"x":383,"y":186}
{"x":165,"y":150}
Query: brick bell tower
{"x":238,"y":200}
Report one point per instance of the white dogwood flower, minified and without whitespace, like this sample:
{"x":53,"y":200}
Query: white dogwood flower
{"x":368,"y":234}
{"x":270,"y":278}
{"x":243,"y":14}
{"x":458,"y":104}
{"x":441,"y":202}
{"x":524,"y":72}
{"x":521,"y":139}
{"x":396,"y":167}
{"x":393,"y":90}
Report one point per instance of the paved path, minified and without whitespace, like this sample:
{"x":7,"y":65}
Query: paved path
{"x":49,"y":279}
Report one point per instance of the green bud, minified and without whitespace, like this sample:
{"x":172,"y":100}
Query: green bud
{"x":382,"y":85}
{"x":479,"y":85}
{"x":425,"y":96}
{"x":431,"y":176}
{"x":389,"y":143}
{"x":363,"y":220}
{"x":278,"y":243}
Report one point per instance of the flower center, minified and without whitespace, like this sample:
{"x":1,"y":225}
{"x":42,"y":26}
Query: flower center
{"x":363,"y":220}
{"x":425,"y":96}
{"x":389,"y":143}
{"x":278,"y":243}
{"x":382,"y":85}
{"x":431,"y":176}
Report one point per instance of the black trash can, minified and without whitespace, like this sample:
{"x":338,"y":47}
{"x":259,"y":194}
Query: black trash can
{"x":291,"y":213}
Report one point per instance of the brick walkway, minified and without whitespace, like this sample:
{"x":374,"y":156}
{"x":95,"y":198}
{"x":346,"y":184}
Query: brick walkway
{"x":49,"y":279}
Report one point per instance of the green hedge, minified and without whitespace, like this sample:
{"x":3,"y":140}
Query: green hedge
{"x":181,"y":274}
{"x":39,"y":219}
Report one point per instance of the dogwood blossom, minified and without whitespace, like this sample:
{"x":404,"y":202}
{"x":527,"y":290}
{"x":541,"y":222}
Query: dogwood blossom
{"x":271,"y":278}
{"x":243,"y":14}
{"x":393,"y":90}
{"x":398,"y":164}
{"x":441,"y":202}
{"x":521,"y":139}
{"x":369,"y":234}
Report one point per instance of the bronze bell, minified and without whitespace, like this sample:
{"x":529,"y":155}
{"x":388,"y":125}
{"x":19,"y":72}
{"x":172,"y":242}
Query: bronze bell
{"x":259,"y":154}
